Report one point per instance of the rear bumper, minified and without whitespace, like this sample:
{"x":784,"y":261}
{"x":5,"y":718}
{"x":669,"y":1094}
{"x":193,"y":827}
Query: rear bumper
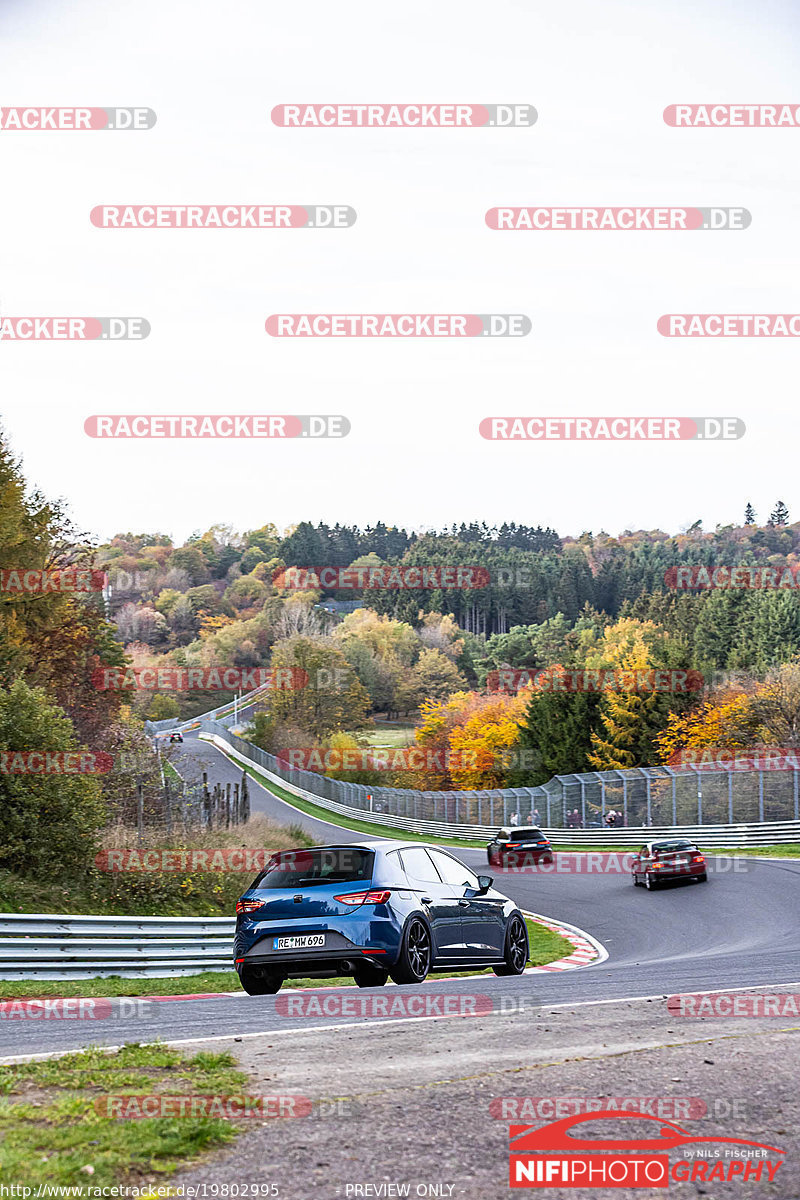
{"x":523,"y":858}
{"x":374,"y":939}
{"x":673,"y":873}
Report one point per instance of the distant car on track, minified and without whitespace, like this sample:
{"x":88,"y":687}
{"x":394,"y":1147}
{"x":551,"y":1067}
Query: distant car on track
{"x":668,"y":859}
{"x":373,"y":910}
{"x":176,"y":737}
{"x":513,"y":846}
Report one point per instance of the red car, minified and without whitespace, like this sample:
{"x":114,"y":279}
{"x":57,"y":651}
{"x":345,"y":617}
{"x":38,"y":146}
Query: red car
{"x":516,"y":846}
{"x":672,"y":858}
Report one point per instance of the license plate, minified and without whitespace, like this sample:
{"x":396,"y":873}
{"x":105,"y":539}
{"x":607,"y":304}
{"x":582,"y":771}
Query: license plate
{"x":303,"y":941}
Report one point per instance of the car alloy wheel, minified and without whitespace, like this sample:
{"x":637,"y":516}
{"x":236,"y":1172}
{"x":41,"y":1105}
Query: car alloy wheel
{"x":515,"y":952}
{"x":261,"y":985}
{"x":414,"y":962}
{"x":365,"y":977}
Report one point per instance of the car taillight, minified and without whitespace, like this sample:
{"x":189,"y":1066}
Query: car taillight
{"x":376,"y":897}
{"x":698,"y":858}
{"x":248,"y":906}
{"x":513,"y":845}
{"x":657,"y":866}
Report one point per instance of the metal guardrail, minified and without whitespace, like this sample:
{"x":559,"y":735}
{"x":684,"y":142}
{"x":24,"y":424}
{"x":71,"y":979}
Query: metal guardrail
{"x":61,"y":946}
{"x":731,"y":835}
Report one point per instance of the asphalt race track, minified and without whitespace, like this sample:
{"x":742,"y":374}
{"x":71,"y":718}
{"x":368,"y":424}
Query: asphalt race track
{"x":741,"y":929}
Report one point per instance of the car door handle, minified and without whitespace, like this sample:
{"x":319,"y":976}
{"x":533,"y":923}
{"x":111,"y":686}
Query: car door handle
{"x":463,"y":904}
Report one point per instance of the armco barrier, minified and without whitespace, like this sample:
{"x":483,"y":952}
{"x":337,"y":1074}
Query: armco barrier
{"x":732,"y":835}
{"x":56,"y":946}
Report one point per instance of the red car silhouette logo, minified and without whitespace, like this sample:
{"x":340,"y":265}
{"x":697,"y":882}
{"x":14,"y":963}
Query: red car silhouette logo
{"x":556,"y":1136}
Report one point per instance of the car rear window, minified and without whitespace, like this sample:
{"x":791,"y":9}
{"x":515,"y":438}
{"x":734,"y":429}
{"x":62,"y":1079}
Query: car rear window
{"x":672,"y":847}
{"x":310,"y":868}
{"x":526,"y":835}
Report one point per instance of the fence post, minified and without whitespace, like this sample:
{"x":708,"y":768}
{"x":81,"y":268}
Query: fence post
{"x":583,"y":804}
{"x":674,"y":801}
{"x":761,"y":795}
{"x":245,"y":794}
{"x":168,"y":804}
{"x":699,"y":799}
{"x":206,"y":799}
{"x":730,"y":796}
{"x":649,"y":805}
{"x":139,"y":813}
{"x":796,"y":815}
{"x":548,"y":810}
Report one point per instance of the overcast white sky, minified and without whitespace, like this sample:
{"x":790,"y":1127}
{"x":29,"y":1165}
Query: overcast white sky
{"x":599,"y":76}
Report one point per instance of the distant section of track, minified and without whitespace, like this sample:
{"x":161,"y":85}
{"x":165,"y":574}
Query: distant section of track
{"x":740,"y":929}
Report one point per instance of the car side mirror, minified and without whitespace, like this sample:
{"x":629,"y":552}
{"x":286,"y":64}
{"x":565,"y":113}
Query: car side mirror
{"x":485,"y":882}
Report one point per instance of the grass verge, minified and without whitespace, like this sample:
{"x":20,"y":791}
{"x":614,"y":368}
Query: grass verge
{"x":545,"y":947}
{"x":52,"y":1133}
{"x":789,"y":850}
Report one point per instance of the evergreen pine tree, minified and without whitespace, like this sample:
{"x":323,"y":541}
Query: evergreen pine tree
{"x":779,"y":515}
{"x":749,"y":514}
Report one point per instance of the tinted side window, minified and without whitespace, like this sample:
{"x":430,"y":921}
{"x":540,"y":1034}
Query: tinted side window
{"x":454,"y":873}
{"x":418,"y":866}
{"x":391,"y":870}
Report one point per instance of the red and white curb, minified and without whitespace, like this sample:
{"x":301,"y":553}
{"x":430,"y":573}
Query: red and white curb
{"x":588,"y":951}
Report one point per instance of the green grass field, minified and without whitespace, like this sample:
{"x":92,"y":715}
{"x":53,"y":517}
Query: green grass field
{"x":52,"y":1131}
{"x":396,"y":734}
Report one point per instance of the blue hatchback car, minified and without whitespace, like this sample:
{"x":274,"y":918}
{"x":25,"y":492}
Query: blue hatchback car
{"x":373,"y":910}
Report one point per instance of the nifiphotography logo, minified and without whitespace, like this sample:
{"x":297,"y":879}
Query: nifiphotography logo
{"x":633,"y":1162}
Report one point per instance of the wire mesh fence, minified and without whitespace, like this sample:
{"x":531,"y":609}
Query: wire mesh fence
{"x":640,"y":797}
{"x":177,"y":806}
